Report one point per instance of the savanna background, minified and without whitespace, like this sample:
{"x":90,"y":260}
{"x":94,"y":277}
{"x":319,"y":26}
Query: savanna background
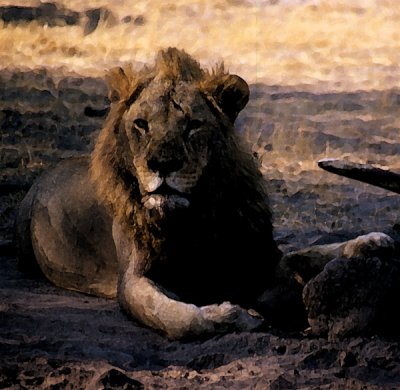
{"x":324,"y":81}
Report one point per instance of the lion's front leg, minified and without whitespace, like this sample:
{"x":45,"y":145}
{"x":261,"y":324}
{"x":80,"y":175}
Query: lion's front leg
{"x":161,"y":310}
{"x":143,"y":300}
{"x":146,"y":302}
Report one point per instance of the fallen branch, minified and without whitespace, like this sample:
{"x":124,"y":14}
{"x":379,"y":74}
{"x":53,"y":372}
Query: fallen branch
{"x":363,"y":172}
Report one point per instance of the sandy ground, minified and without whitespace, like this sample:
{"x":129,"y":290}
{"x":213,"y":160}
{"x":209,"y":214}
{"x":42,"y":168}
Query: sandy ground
{"x":54,"y":339}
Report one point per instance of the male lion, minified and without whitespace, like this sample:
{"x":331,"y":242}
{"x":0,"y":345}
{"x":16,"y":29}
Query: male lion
{"x":170,"y":214}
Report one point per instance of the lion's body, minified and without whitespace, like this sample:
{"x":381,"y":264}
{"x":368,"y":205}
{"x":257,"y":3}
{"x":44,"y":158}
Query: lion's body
{"x":187,"y":205}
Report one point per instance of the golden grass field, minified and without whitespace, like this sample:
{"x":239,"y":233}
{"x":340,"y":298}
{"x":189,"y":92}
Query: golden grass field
{"x":335,"y":44}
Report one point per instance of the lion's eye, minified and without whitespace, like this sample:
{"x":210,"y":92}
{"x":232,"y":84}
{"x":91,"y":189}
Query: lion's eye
{"x":141,"y":125}
{"x":193,"y":127}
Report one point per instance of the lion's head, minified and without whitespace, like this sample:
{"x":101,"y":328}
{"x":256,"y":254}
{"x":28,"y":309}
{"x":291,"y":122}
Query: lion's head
{"x":168,"y":130}
{"x":165,"y":126}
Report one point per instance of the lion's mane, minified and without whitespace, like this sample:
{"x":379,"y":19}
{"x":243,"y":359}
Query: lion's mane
{"x":231,"y":187}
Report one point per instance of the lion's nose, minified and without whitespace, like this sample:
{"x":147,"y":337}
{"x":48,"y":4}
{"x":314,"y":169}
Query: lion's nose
{"x":165,"y":166}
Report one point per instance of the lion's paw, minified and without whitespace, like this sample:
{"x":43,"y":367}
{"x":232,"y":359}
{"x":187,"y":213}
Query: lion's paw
{"x":227,"y":317}
{"x":368,"y":244}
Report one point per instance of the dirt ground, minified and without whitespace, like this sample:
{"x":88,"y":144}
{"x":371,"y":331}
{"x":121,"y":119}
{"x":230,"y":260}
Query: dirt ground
{"x":54,"y":339}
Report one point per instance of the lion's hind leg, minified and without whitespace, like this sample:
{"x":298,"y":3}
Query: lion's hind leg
{"x":305,"y":283}
{"x":346,"y":286}
{"x":307,"y":263}
{"x":61,"y":222}
{"x":374,"y":243}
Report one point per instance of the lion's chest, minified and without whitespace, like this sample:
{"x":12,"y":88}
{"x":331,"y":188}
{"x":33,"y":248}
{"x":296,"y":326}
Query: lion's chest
{"x":207,"y":271}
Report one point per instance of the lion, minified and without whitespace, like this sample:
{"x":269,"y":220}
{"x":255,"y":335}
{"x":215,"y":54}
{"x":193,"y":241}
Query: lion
{"x":170,"y":213}
{"x":170,"y":216}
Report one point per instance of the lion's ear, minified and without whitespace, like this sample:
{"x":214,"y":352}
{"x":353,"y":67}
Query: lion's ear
{"x":231,"y":94}
{"x":121,"y":82}
{"x":116,"y":79}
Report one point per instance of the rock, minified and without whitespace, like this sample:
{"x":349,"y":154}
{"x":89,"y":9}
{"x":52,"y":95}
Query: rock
{"x":12,"y":158}
{"x":139,"y":20}
{"x":320,"y":359}
{"x":281,"y":383}
{"x":46,"y":14}
{"x":207,"y":361}
{"x":118,"y":380}
{"x":353,"y":296}
{"x":347,"y":359}
{"x":96,"y":16}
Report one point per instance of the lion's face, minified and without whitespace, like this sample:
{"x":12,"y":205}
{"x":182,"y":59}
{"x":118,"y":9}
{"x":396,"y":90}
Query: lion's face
{"x":169,"y":129}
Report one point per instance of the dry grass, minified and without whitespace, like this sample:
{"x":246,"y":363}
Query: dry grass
{"x":336,"y":44}
{"x":328,"y":45}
